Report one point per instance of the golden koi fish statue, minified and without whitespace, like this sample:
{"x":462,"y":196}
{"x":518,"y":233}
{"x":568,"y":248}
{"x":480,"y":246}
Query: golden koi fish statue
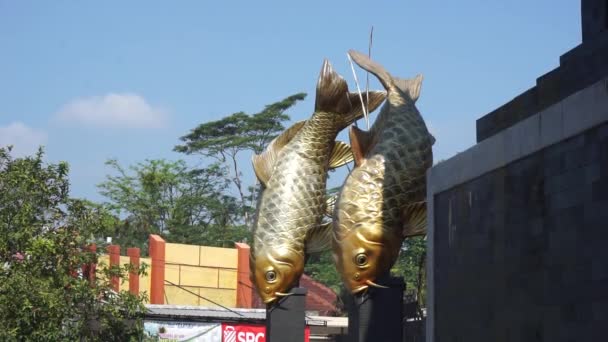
{"x":382,"y":200}
{"x":293,"y":173}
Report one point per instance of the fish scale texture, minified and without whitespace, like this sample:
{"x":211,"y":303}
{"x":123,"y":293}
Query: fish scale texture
{"x":391,"y":177}
{"x":294,"y":199}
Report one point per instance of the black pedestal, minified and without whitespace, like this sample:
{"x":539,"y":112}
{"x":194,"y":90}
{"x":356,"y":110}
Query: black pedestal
{"x":285,"y":320}
{"x":377,"y":315}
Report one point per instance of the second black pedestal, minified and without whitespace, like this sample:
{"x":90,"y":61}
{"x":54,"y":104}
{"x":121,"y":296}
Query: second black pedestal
{"x":286,"y":319}
{"x":377,"y":315}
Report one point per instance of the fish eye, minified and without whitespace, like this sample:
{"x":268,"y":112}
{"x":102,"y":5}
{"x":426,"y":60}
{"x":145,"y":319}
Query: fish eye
{"x":271,"y":276}
{"x":361,"y":259}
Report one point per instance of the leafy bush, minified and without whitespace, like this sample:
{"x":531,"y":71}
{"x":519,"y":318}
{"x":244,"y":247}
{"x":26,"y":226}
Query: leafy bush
{"x":45,"y":294}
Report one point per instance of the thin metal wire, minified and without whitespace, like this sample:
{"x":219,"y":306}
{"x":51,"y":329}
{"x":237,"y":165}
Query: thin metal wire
{"x":365,"y":114}
{"x":207,"y":299}
{"x":369,"y":54}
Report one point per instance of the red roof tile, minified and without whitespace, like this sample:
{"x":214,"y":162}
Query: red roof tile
{"x":319,"y":297}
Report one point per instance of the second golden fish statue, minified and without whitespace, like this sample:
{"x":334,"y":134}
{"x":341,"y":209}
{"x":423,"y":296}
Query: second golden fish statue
{"x":293,"y":173}
{"x":382,"y":200}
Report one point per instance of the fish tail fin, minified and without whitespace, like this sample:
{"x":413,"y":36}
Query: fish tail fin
{"x":375,"y":100}
{"x":376,"y":69}
{"x":411,"y":87}
{"x":332,"y":91}
{"x":333,"y":96}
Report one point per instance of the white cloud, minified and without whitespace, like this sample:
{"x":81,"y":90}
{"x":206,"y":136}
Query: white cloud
{"x":25,"y":140}
{"x":113,"y":110}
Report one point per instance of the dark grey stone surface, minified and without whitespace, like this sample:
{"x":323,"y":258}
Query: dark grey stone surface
{"x":286,"y":319}
{"x":521,"y":253}
{"x":414,"y":331}
{"x":594,"y":18}
{"x":377,"y":314}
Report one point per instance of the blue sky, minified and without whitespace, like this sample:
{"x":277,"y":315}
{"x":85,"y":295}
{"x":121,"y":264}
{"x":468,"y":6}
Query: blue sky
{"x":125,"y":79}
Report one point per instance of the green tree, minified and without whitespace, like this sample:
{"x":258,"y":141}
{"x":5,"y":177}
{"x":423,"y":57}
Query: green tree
{"x":321,"y":267}
{"x":224,"y":139}
{"x":45,"y":234}
{"x":412,"y":266}
{"x":168,"y":198}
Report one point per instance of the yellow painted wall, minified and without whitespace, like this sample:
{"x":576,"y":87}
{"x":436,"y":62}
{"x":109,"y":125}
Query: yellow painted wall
{"x":200,"y":271}
{"x":196,"y":271}
{"x":144,"y":280}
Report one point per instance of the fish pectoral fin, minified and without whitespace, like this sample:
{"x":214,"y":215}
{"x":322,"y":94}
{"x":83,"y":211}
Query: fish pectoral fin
{"x":360,"y":142}
{"x":330,"y":205}
{"x":340,"y":155}
{"x":410,"y":86}
{"x":319,"y":238}
{"x":263,"y":163}
{"x":414,"y":218}
{"x":262,"y":167}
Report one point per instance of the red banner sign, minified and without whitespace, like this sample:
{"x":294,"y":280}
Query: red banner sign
{"x":249,"y":333}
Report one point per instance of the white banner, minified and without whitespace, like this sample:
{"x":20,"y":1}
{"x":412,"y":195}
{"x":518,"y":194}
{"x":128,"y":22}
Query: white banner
{"x":182,"y":331}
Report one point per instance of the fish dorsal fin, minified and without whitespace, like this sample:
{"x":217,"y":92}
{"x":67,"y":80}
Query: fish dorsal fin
{"x":330,"y":205}
{"x":410,"y":86}
{"x":319,"y":238}
{"x":340,"y":155}
{"x":263,"y":163}
{"x":333,"y":97}
{"x":360,"y":142}
{"x":414,"y":218}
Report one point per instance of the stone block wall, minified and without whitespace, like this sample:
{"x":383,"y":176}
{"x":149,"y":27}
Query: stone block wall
{"x":518,"y":223}
{"x":521,"y":252}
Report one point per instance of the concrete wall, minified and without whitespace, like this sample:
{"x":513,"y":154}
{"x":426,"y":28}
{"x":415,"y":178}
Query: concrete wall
{"x":518,"y":230}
